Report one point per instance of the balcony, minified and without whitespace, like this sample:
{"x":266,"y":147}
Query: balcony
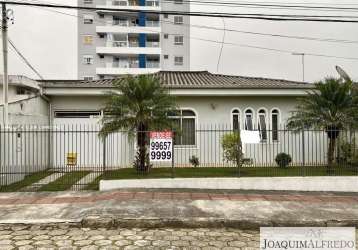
{"x":121,"y":71}
{"x":128,"y":48}
{"x":129,"y":4}
{"x":128,"y":29}
{"x":132,"y":44}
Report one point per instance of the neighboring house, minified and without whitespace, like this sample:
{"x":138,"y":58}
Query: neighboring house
{"x":22,"y":150}
{"x":26,"y":105}
{"x":112,"y":43}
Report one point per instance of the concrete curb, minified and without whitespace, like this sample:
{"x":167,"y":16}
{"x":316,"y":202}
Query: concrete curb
{"x":99,"y":221}
{"x":306,"y":184}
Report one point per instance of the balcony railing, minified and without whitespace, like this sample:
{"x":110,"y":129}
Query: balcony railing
{"x":149,"y":23}
{"x":123,"y":23}
{"x":118,"y":44}
{"x":125,"y":65}
{"x":151,"y":3}
{"x":152,"y":64}
{"x":149,"y":44}
{"x":133,"y":65}
{"x":152,"y":44}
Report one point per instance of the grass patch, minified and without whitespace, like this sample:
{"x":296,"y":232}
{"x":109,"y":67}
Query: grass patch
{"x":205,"y":172}
{"x":65,"y":182}
{"x":27,"y":181}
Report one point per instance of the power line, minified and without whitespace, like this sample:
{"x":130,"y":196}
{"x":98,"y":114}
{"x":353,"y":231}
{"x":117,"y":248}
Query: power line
{"x":202,"y":14}
{"x":230,"y":43}
{"x":332,"y":40}
{"x":24,"y":59}
{"x":269,"y":5}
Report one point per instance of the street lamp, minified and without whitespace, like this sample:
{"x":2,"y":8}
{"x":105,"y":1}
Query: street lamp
{"x":303,"y":63}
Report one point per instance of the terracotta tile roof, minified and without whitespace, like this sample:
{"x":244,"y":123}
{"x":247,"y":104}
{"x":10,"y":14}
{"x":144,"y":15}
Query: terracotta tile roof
{"x":193,"y":80}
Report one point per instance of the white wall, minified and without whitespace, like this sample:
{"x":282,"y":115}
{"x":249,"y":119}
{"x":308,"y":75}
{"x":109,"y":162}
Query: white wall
{"x":213,"y":121}
{"x":24,"y":148}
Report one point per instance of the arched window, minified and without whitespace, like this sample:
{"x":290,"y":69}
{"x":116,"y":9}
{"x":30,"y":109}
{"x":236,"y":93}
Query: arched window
{"x":249,"y":114}
{"x":235,"y":120}
{"x":184,"y":123}
{"x":274,"y":124}
{"x":261,"y":124}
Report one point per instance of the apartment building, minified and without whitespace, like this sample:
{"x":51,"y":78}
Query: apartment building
{"x":119,"y":42}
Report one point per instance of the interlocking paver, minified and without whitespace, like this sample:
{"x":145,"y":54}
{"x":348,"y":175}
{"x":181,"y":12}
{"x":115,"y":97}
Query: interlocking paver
{"x":136,"y":238}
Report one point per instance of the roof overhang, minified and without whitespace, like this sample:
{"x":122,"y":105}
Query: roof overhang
{"x":93,"y":91}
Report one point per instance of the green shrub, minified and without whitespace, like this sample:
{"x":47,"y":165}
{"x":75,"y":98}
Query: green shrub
{"x":283,"y":160}
{"x":232,"y":148}
{"x":194,"y":161}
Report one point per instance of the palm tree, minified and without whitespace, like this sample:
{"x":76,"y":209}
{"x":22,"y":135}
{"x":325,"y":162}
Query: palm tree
{"x":138,"y":105}
{"x":333,"y":106}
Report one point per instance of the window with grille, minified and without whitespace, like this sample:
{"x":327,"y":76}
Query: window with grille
{"x":178,"y":60}
{"x":88,"y":78}
{"x":178,"y":19}
{"x":166,"y":36}
{"x":262,"y":124}
{"x":88,"y":19}
{"x":184,"y":127}
{"x":235,"y":120}
{"x":88,"y":1}
{"x":87,"y":59}
{"x":76,"y":114}
{"x":166,"y":56}
{"x":274,"y":124}
{"x":248,"y":120}
{"x":178,"y":40}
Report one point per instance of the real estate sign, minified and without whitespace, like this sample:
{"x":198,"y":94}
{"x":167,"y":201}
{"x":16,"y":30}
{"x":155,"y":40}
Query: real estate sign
{"x":161,"y":146}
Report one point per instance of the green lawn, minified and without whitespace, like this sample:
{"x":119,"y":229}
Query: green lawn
{"x":64,"y":182}
{"x":29,"y":180}
{"x":130,"y":173}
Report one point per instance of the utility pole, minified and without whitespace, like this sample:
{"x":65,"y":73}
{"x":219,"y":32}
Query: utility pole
{"x":303,"y":63}
{"x":5,"y":70}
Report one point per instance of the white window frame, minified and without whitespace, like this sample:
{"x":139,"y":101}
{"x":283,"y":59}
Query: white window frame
{"x":88,"y":59}
{"x":195,"y":126}
{"x":278,"y":114}
{"x":252,"y":119}
{"x":232,"y":114}
{"x":176,"y":63}
{"x":88,"y":19}
{"x":180,"y":38}
{"x":178,"y":21}
{"x":84,"y":78}
{"x":259,"y":125}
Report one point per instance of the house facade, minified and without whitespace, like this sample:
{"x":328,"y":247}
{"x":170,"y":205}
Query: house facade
{"x":209,"y":107}
{"x":111,"y":43}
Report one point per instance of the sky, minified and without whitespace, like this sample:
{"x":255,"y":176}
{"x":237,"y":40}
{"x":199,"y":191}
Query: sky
{"x":49,"y":41}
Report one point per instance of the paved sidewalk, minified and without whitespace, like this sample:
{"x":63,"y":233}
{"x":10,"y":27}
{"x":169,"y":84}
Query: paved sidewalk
{"x":153,"y":208}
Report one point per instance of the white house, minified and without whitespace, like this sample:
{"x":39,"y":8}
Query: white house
{"x":211,"y":105}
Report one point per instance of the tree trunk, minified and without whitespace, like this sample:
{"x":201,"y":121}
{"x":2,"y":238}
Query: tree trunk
{"x":141,"y":133}
{"x":330,"y":153}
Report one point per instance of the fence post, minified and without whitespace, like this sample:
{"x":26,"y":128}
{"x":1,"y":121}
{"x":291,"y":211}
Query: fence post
{"x":104,"y":155}
{"x":173,"y":162}
{"x":303,"y":152}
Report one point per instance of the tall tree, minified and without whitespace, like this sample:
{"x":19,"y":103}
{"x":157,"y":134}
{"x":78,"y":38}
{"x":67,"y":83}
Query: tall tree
{"x":138,"y":105}
{"x":332,"y":106}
